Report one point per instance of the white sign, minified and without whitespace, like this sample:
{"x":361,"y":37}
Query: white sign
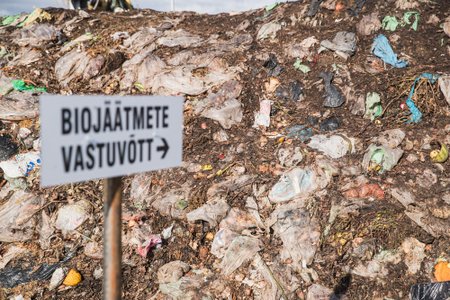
{"x":89,"y":137}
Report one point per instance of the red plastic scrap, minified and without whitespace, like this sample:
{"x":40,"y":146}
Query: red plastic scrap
{"x":365,"y":191}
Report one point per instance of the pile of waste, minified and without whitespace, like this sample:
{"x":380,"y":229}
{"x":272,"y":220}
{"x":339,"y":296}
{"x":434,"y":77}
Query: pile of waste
{"x":315,"y":156}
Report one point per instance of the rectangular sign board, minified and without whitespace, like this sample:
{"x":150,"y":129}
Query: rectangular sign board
{"x":90,"y":137}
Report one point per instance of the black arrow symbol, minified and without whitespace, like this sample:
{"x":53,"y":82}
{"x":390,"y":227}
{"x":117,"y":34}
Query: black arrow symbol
{"x":164,"y":148}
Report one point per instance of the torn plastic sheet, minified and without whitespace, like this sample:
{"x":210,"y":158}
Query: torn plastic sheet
{"x":382,"y":49}
{"x":430,"y":291}
{"x":416,"y":115}
{"x":12,"y":277}
{"x":408,"y":15}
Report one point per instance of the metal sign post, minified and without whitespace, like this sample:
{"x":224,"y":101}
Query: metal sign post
{"x":91,"y":137}
{"x":112,"y":250}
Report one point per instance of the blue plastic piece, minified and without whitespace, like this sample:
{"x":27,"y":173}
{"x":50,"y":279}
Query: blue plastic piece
{"x":416,"y":115}
{"x":382,"y":49}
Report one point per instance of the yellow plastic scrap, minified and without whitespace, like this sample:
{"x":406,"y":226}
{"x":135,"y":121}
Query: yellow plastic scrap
{"x":439,"y":156}
{"x":37,"y":14}
{"x":73,"y":278}
{"x":207,"y":167}
{"x":221,"y":171}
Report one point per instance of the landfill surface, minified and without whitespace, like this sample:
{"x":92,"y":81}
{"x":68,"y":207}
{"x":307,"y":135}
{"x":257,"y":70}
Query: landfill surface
{"x":315,"y":152}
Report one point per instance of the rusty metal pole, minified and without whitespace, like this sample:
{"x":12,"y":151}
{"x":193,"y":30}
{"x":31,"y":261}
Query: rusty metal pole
{"x":112,"y":248}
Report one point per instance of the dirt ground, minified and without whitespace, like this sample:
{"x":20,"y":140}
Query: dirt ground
{"x":381,"y":224}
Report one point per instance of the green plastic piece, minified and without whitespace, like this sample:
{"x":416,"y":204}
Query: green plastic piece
{"x":271,"y":6}
{"x":373,"y":106}
{"x":9,"y":19}
{"x":301,"y":67}
{"x":20,"y":85}
{"x":408,"y":15}
{"x":389,"y":23}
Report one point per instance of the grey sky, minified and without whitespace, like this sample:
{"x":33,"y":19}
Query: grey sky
{"x":8,"y":7}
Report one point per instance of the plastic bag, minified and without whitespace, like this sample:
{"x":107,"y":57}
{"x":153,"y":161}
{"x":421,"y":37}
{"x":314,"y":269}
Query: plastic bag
{"x":344,"y":44}
{"x":382,"y":49}
{"x":16,"y":216}
{"x":21,"y":165}
{"x":416,"y":115}
{"x":333,"y":96}
{"x":295,"y":183}
{"x":241,"y":250}
{"x":335,"y":146}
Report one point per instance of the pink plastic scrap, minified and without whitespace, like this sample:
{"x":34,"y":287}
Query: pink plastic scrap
{"x":152,"y":241}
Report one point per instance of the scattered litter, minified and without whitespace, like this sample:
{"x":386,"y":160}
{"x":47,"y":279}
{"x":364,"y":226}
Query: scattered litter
{"x":57,"y":278}
{"x":369,"y":24}
{"x":299,"y":233}
{"x":444,"y":84}
{"x":81,"y":39}
{"x":373,"y":106}
{"x":212,"y":212}
{"x":36,"y":15}
{"x":263,"y":117}
{"x":270,"y":7}
{"x":14,"y":276}
{"x":8,"y":20}
{"x":390,"y":23}
{"x":382,"y":49}
{"x":9,"y":253}
{"x":238,"y":220}
{"x":72,"y":216}
{"x":149,"y":243}
{"x":294,"y":184}
{"x":77,"y":65}
{"x":26,"y":57}
{"x":439,"y":155}
{"x":442,"y":271}
{"x":301,"y":67}
{"x":356,"y":9}
{"x":301,"y":50}
{"x":291,"y":92}
{"x":381,"y":158}
{"x":391,"y":138}
{"x":414,"y":254}
{"x":73,"y":278}
{"x":242,"y":249}
{"x":416,"y":115}
{"x":333,"y":96}
{"x":272,"y":66}
{"x":378,"y":266}
{"x":18,"y":106}
{"x":7,"y":148}
{"x":179,"y":38}
{"x":335,"y":146}
{"x":330,"y":124}
{"x":222,"y":240}
{"x":300,"y":132}
{"x":17,"y":222}
{"x":37,"y":35}
{"x":430,"y":291}
{"x":223,"y":106}
{"x":268,"y":31}
{"x":407,"y":16}
{"x":172,"y":271}
{"x":320,"y":292}
{"x":344,"y":44}
{"x":290,"y":157}
{"x":372,"y":190}
{"x":21,"y":85}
